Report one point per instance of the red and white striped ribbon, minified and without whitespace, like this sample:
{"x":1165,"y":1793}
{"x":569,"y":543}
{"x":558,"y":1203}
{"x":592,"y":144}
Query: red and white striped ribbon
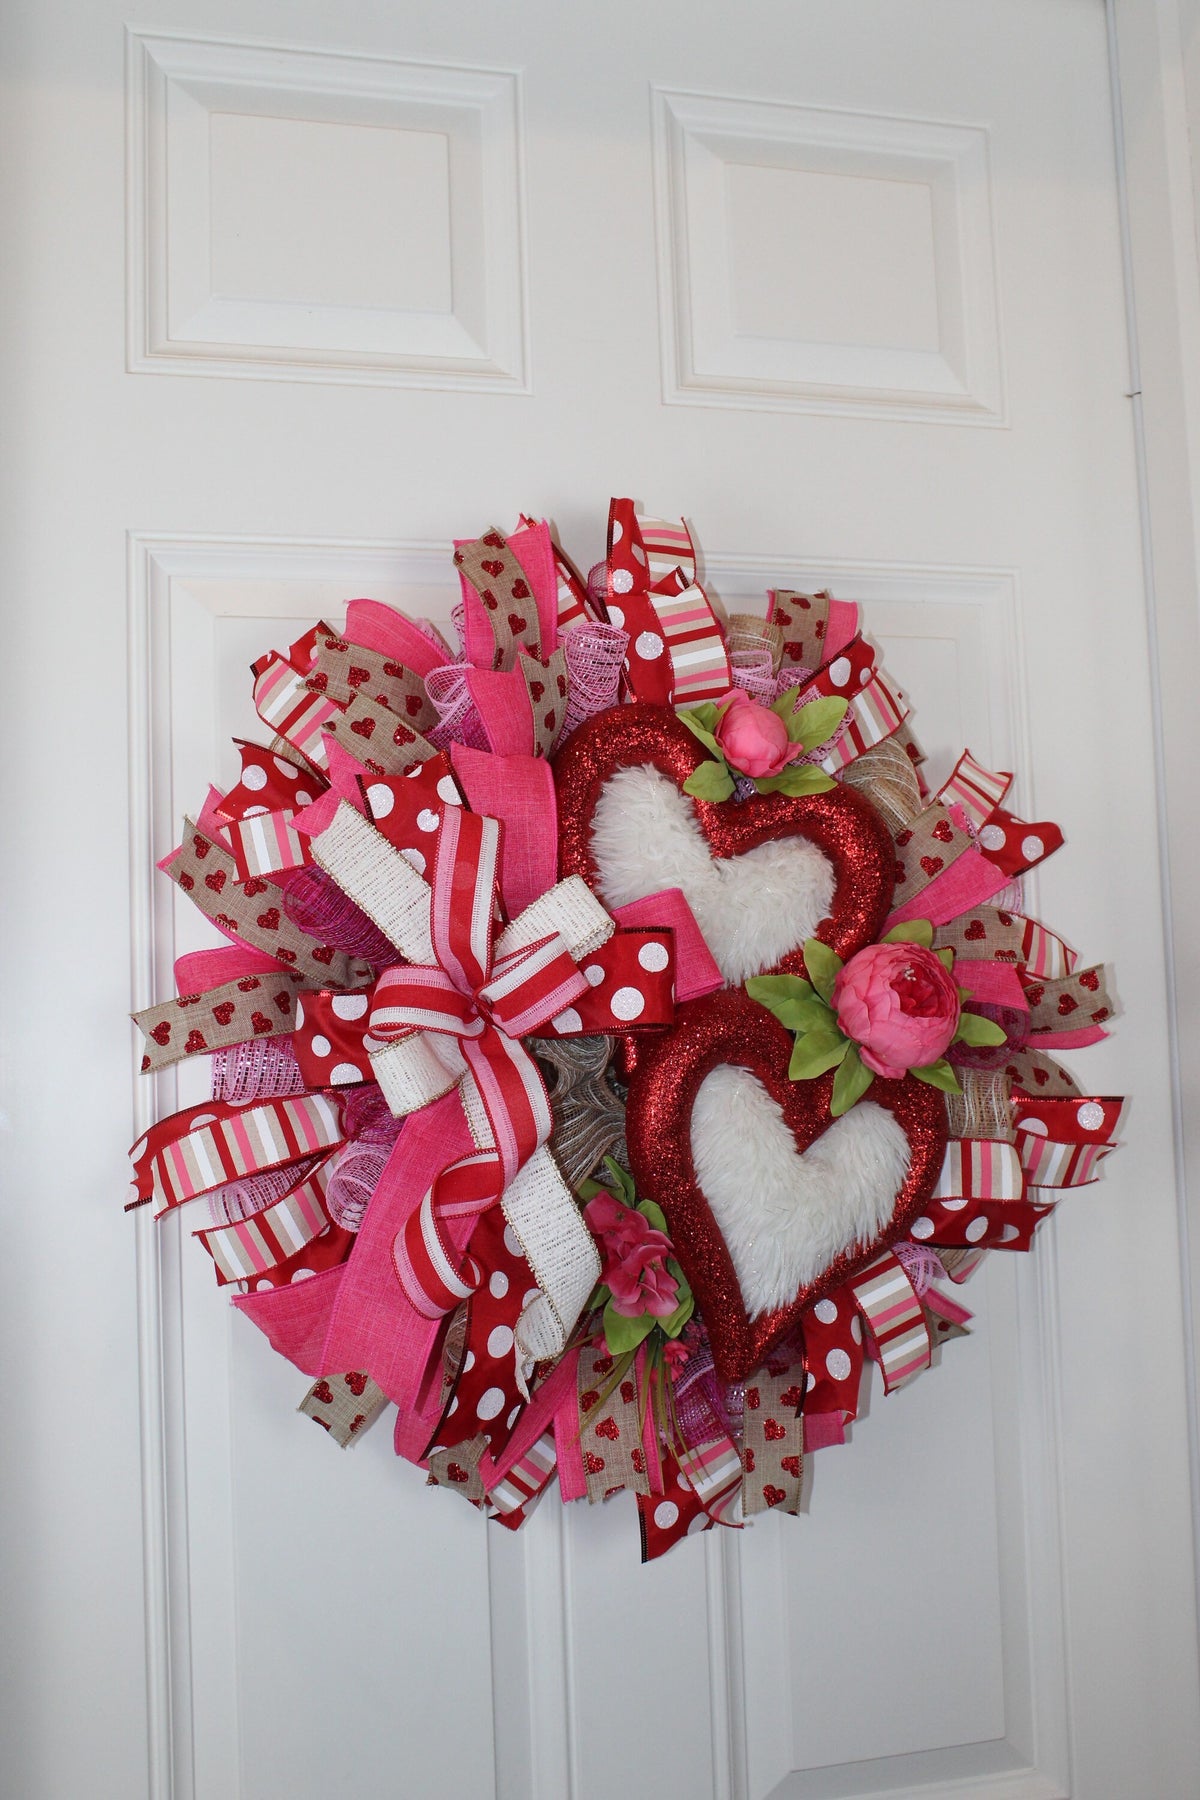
{"x":977,"y":790}
{"x":203,"y":1147}
{"x":486,"y":1008}
{"x":285,"y":702}
{"x":895,"y":1318}
{"x":249,"y":1247}
{"x":267,"y":843}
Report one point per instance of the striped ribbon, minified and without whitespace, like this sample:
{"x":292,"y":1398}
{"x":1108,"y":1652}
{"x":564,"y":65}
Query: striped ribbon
{"x":284,"y":701}
{"x":977,"y":790}
{"x":267,"y":843}
{"x":895,"y":1317}
{"x":485,"y":1003}
{"x":875,"y":712}
{"x":249,"y":1247}
{"x":203,"y":1147}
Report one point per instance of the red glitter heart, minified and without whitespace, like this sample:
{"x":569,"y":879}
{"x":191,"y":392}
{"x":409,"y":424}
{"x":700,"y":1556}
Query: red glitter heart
{"x":356,"y":1382}
{"x":520,"y":589}
{"x":362,"y":727}
{"x":730,"y":1028}
{"x":790,"y":1465}
{"x":931,"y":864}
{"x":1090,"y":980}
{"x":975,"y":931}
{"x":412,"y":705}
{"x":162,"y":1033}
{"x":323,"y":1392}
{"x":843,"y":826}
{"x":223,"y":1012}
{"x":773,"y":1496}
{"x":943,"y":831}
{"x":249,"y":983}
{"x":773,"y":1431}
{"x":260,"y":1022}
{"x":195,"y":1043}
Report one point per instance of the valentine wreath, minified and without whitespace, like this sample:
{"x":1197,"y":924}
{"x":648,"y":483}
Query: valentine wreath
{"x":616,"y":1045}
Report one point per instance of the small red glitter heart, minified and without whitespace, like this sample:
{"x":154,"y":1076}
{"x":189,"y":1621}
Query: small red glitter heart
{"x":363,"y":728}
{"x":773,"y":1496}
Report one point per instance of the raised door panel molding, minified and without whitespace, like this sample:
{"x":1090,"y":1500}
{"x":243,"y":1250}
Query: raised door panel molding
{"x":307,"y":216}
{"x":823,"y":261}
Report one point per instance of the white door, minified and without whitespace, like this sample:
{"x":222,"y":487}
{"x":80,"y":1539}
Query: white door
{"x":300,"y":293}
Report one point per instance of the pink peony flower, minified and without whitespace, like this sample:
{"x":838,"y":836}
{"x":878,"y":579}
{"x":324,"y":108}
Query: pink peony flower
{"x":634,"y":1259}
{"x":899,"y":1004}
{"x":752,"y":738}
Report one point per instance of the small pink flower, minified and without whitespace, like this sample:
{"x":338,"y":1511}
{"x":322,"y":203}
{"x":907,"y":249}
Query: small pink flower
{"x":634,"y":1259}
{"x":675,"y":1355}
{"x":753,"y":739}
{"x":899,"y":1004}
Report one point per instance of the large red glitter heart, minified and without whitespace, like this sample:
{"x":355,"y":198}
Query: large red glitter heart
{"x":732,"y":1030}
{"x":840,"y":823}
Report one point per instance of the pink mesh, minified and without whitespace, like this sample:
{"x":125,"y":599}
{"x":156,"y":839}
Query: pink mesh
{"x":357,"y":1168}
{"x":922,"y":1265}
{"x":458,"y":717}
{"x":754,"y":671}
{"x":239,"y":1199}
{"x":313,"y":901}
{"x":263,"y":1069}
{"x":595,"y":656}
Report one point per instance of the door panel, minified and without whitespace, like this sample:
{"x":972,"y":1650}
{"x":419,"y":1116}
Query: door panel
{"x":304,"y":298}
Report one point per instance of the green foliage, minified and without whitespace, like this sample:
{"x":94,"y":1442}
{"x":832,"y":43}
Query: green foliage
{"x":850,"y":1083}
{"x":710,"y":781}
{"x":815,"y":1052}
{"x":823,"y":965}
{"x":913,"y":931}
{"x":939,"y":1075}
{"x":973,"y":1028}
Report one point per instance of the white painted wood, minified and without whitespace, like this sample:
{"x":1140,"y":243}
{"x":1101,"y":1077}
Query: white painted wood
{"x":992,"y":1592}
{"x":825,"y":261}
{"x":324,"y":216}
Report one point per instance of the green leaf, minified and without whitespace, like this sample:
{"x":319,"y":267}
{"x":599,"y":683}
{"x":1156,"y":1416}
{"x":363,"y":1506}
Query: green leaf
{"x":850,"y":1083}
{"x":786,"y":703}
{"x":711,"y":781}
{"x":701,"y":726}
{"x":588,"y":1189}
{"x":939,"y":1075}
{"x":651,"y":1210}
{"x":946,"y":958}
{"x":805,"y":1015}
{"x":914,"y":931}
{"x":802,"y":778}
{"x":823,"y":965}
{"x":768,"y":988}
{"x":622,"y":1334}
{"x":816,"y":722}
{"x":973,"y":1028}
{"x":622,"y":1180}
{"x":816,"y":1052}
{"x":674,"y":1323}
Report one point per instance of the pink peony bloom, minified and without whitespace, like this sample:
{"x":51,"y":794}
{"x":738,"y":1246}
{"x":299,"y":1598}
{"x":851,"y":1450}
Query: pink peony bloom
{"x":899,"y":1004}
{"x":752,"y":738}
{"x":634,"y":1259}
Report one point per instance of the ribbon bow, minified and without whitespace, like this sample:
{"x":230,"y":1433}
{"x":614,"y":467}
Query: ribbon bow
{"x":484,"y":990}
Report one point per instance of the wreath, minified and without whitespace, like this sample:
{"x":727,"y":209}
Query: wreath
{"x":616,"y":1045}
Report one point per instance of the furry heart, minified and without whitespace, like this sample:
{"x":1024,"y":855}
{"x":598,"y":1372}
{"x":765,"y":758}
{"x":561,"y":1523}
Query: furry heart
{"x":769,"y":1201}
{"x":760,"y":876}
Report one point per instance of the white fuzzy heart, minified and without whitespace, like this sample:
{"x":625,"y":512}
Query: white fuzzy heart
{"x":785,"y":1215}
{"x":752,"y":909}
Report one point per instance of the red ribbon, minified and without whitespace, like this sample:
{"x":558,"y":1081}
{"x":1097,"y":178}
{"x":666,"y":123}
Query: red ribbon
{"x":486,"y":1003}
